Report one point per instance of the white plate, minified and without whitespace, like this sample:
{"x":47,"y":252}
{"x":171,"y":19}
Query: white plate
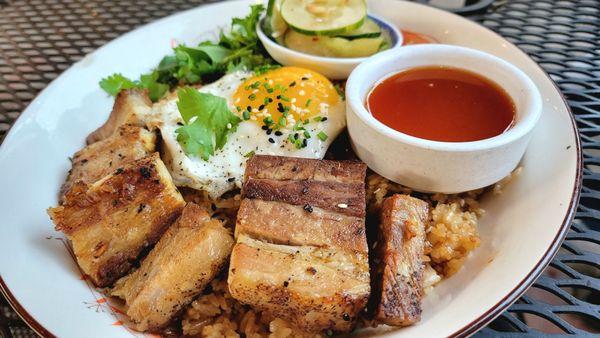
{"x":520,"y":233}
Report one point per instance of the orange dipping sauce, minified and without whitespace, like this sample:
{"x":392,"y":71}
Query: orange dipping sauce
{"x":442,"y":104}
{"x":414,"y":38}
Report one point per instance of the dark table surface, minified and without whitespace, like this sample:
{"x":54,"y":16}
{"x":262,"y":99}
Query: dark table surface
{"x":39,"y":39}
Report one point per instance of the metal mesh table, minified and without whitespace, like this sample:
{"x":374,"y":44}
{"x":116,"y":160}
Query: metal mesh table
{"x":41,"y":38}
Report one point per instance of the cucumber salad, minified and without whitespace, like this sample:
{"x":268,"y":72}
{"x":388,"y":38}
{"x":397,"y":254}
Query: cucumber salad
{"x":332,"y":28}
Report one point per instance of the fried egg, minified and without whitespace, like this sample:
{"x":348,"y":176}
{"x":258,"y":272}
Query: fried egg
{"x":288,"y":111}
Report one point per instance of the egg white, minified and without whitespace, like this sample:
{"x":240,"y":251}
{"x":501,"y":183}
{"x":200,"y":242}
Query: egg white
{"x":224,"y":170}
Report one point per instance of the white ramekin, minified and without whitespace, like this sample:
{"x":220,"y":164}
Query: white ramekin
{"x":330,"y":67}
{"x":431,"y":166}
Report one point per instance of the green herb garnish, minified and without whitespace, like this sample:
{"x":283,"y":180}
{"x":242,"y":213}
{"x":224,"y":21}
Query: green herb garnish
{"x":207,"y":120}
{"x":115,"y":83}
{"x":239,"y":49}
{"x":322,"y":136}
{"x":339,"y":88}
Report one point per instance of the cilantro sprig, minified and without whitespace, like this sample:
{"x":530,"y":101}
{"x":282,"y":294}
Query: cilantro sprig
{"x":207,"y":122}
{"x":236,"y":50}
{"x":115,"y":83}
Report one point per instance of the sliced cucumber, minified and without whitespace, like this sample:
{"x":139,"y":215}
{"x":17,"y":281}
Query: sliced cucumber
{"x":275,"y":26}
{"x":332,"y":46}
{"x":355,"y":48}
{"x":270,"y":7}
{"x":370,"y":29}
{"x":324,"y":17}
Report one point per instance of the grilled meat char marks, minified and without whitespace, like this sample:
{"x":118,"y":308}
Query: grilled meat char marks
{"x":301,"y":251}
{"x":332,"y":185}
{"x":292,"y":168}
{"x":344,"y":198}
{"x":112,"y":221}
{"x":399,"y":277}
{"x":99,"y":159}
{"x":315,"y":288}
{"x":319,"y":227}
{"x":187,"y":257}
{"x":131,"y":107}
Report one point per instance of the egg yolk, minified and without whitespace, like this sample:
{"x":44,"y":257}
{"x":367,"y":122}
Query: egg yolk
{"x":285,"y":95}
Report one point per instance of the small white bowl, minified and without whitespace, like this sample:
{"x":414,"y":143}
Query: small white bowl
{"x":432,"y":166}
{"x":330,"y":67}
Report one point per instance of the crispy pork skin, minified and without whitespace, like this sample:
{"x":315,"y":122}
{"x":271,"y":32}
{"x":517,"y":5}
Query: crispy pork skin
{"x":315,"y":288}
{"x":283,"y":168}
{"x":301,"y":252}
{"x":283,"y":223}
{"x":186,"y":258}
{"x":400,"y":252}
{"x":344,"y":198}
{"x":112,"y":221}
{"x":131,"y":107}
{"x":332,"y":185}
{"x":99,"y":159}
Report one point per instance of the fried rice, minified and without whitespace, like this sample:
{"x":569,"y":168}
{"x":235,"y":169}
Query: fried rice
{"x":452,"y":234}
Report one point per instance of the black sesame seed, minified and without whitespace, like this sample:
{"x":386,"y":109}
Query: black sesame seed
{"x":304,"y":143}
{"x":269,"y":131}
{"x":208,"y":290}
{"x":293,"y":84}
{"x":346,"y":317}
{"x":271,"y":140}
{"x":285,"y":284}
{"x":231,"y":179}
{"x":249,"y":108}
{"x":323,"y":119}
{"x":308,"y":208}
{"x":264,"y":127}
{"x":261,"y":107}
{"x":304,"y":78}
{"x":145,"y":172}
{"x":278,"y":133}
{"x":119,"y":171}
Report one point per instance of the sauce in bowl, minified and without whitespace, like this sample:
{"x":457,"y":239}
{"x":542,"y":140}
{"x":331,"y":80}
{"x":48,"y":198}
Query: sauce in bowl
{"x":442,"y":104}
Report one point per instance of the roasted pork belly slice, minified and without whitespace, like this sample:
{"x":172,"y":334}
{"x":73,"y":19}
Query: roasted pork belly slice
{"x":183,"y":262}
{"x":314,"y":288}
{"x":293,"y":168}
{"x":99,"y":159}
{"x":113,"y":220}
{"x":283,"y":223}
{"x":345,"y":198}
{"x":331,"y":185}
{"x":131,"y":107}
{"x":400,"y":252}
{"x":301,"y":251}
